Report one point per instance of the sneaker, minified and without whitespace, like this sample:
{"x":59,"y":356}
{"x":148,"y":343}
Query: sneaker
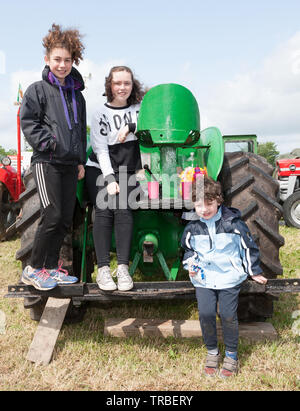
{"x":230,"y":367}
{"x":39,"y":278}
{"x":61,"y":276}
{"x":211,"y":367}
{"x":125,"y":282}
{"x":104,"y":280}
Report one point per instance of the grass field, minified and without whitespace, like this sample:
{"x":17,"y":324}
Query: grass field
{"x":85,"y":359}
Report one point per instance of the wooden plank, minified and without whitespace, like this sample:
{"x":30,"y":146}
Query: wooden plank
{"x":116,"y":327}
{"x":44,"y":340}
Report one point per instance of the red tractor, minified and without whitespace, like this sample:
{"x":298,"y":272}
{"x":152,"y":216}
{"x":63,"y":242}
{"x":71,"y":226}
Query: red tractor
{"x":288,"y":170}
{"x":11,"y":187}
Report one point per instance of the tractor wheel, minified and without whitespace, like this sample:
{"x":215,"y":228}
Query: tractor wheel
{"x":27,"y":226}
{"x":291,"y":210}
{"x":248,"y":185}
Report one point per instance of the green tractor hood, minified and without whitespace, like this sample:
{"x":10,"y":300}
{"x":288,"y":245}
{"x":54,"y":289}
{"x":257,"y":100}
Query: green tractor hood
{"x":169,"y":125}
{"x":169,"y":115}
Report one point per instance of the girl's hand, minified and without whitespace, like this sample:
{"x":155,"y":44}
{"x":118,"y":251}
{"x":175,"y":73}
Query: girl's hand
{"x":81,"y":172}
{"x":123,"y":133}
{"x":192,"y":273}
{"x":260,"y":279}
{"x":113,"y":188}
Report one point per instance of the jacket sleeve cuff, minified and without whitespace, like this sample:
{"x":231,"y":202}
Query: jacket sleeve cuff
{"x":255,"y":272}
{"x":110,"y":178}
{"x":46,"y":145}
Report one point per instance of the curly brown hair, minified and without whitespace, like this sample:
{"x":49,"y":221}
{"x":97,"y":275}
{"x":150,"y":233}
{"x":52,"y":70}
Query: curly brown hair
{"x":207,"y":188}
{"x":69,"y":39}
{"x":137,"y":93}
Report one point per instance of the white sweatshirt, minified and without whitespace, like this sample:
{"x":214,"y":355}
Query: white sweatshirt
{"x":110,"y":153}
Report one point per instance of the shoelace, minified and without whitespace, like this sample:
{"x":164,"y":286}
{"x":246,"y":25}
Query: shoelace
{"x":106,"y":273}
{"x":121,"y":272}
{"x":43,"y":274}
{"x":60,"y":269}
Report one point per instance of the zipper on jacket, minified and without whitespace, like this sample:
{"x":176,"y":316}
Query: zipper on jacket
{"x":70,"y":110}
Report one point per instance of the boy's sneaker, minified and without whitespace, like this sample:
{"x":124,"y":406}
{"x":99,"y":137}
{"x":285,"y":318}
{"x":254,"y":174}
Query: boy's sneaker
{"x":104,"y":279}
{"x":125,"y":282}
{"x":61,"y":276}
{"x":211,"y":367}
{"x":39,"y":278}
{"x":230,"y":368}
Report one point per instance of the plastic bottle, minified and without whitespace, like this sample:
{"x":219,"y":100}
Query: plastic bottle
{"x":191,"y":159}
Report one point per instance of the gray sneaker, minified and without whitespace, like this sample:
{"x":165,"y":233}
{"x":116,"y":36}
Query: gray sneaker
{"x":104,"y":280}
{"x":125,"y":282}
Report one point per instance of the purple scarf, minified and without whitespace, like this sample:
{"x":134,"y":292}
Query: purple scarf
{"x":69,"y":85}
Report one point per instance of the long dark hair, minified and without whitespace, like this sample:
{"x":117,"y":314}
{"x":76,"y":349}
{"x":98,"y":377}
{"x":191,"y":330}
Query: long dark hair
{"x":137,"y":92}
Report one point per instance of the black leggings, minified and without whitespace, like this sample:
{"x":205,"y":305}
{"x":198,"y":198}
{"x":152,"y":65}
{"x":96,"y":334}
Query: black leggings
{"x":107,"y":218}
{"x":122,"y":221}
{"x":56,"y":186}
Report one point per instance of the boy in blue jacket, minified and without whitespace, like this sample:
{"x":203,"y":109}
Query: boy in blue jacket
{"x":219,"y":254}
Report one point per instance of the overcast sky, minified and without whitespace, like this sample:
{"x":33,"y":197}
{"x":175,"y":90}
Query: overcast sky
{"x":240,"y":59}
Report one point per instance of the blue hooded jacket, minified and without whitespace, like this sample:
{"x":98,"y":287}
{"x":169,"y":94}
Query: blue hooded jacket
{"x":224,"y":248}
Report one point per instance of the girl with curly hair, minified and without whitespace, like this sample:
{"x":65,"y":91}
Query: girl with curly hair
{"x":112,"y":166}
{"x":53,"y":120}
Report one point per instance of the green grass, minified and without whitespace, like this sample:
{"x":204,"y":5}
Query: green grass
{"x":85,"y":359}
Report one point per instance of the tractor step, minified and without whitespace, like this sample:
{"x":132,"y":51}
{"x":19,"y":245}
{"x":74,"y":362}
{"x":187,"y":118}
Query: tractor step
{"x":147,"y":290}
{"x":91,"y":291}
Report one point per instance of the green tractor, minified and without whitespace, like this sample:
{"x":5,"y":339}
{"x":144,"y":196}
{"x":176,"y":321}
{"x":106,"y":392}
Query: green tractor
{"x":170,"y":141}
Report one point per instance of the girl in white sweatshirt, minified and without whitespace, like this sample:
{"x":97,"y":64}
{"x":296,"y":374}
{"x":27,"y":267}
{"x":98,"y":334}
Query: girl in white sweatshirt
{"x":115,"y":159}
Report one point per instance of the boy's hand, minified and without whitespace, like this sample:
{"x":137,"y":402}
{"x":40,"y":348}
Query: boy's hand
{"x":81,"y":172}
{"x":260,"y":279}
{"x":192,"y":273}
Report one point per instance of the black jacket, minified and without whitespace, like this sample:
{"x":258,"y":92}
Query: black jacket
{"x":45,"y":112}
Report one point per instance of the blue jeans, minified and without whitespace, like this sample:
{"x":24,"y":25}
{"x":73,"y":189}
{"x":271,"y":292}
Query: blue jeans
{"x":207,"y":299}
